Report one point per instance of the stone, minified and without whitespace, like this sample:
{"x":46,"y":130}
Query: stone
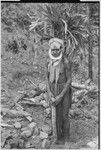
{"x":75,"y":99}
{"x":25,"y":128}
{"x":48,"y":111}
{"x":39,"y":98}
{"x":44,"y":103}
{"x":32,"y":125}
{"x":26,"y":133}
{"x":91,"y":144}
{"x":21,"y":143}
{"x":42,"y":86}
{"x":31,"y":93}
{"x":95,"y":140}
{"x":71,"y":112}
{"x":46,"y":129}
{"x":36,"y":142}
{"x":30,"y":144}
{"x":43,"y":135}
{"x":27,"y":145}
{"x":17,"y":125}
{"x":46,"y":144}
{"x":45,"y":96}
{"x":29,"y":118}
{"x":36,"y":131}
{"x":73,"y":106}
{"x":34,"y":136}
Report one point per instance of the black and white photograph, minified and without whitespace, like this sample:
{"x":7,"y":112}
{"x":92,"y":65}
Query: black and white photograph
{"x":50,"y":75}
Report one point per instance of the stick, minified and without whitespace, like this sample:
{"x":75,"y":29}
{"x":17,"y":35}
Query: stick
{"x":53,"y":111}
{"x":82,"y":86}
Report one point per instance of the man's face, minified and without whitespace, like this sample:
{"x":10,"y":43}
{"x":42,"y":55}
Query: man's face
{"x":56,"y":52}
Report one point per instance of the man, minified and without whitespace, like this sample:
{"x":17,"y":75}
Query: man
{"x":59,"y":82}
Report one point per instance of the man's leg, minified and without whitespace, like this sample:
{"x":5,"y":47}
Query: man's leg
{"x":59,"y":121}
{"x":66,"y":122}
{"x":66,"y":129}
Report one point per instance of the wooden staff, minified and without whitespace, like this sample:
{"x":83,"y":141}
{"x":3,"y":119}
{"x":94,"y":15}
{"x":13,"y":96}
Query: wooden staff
{"x":53,"y":112}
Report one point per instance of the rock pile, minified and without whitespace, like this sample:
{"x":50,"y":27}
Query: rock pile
{"x":29,"y":135}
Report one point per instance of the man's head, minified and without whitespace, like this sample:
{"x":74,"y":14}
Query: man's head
{"x":56,"y":46}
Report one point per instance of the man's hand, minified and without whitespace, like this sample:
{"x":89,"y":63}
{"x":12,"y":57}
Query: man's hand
{"x":50,"y":95}
{"x":57,"y":100}
{"x":53,"y":101}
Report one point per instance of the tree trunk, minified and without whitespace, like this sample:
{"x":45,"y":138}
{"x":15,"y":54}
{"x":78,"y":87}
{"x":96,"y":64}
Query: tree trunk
{"x":90,"y":46}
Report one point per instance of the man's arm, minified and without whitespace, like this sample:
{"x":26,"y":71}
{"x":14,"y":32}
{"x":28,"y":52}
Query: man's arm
{"x":68,"y":74}
{"x":59,"y":97}
{"x":48,"y":86}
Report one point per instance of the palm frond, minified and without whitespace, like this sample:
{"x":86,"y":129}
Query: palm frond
{"x":72,"y":25}
{"x":35,"y":24}
{"x":72,"y":36}
{"x":48,"y":10}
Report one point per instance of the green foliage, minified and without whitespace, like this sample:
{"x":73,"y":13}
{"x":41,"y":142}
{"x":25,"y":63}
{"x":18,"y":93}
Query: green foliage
{"x":12,"y":46}
{"x":61,"y":23}
{"x":14,"y":16}
{"x":94,"y":13}
{"x":49,"y":20}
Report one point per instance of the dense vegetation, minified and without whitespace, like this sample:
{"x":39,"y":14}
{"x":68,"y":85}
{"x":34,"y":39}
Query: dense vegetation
{"x":25,"y":31}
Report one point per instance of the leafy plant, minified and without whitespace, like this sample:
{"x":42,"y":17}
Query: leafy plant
{"x":12,"y":46}
{"x":61,"y":23}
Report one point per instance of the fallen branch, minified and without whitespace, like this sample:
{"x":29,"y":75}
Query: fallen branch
{"x":31,"y":103}
{"x":35,"y":99}
{"x":83,"y":86}
{"x":79,"y":86}
{"x":15,"y":113}
{"x":6,"y":125}
{"x":81,"y":92}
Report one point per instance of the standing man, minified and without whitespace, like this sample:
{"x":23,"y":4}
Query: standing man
{"x":59,"y":87}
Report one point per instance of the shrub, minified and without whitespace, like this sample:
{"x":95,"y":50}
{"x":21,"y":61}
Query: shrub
{"x":12,"y":46}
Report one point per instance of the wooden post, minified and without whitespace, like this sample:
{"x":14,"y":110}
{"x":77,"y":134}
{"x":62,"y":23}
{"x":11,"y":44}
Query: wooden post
{"x":53,"y":114}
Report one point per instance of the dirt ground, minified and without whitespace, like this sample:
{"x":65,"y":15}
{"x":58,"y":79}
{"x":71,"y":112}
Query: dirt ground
{"x":82,"y":130}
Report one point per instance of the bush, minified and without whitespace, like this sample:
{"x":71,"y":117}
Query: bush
{"x":12,"y":46}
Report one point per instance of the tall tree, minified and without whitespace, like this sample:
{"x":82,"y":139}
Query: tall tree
{"x":93,"y":23}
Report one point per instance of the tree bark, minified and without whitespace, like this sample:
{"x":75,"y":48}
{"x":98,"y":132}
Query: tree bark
{"x":90,"y":46}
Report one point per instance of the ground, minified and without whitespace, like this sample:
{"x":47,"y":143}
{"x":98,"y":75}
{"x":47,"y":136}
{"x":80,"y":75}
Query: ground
{"x":83,"y":128}
{"x":21,"y":74}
